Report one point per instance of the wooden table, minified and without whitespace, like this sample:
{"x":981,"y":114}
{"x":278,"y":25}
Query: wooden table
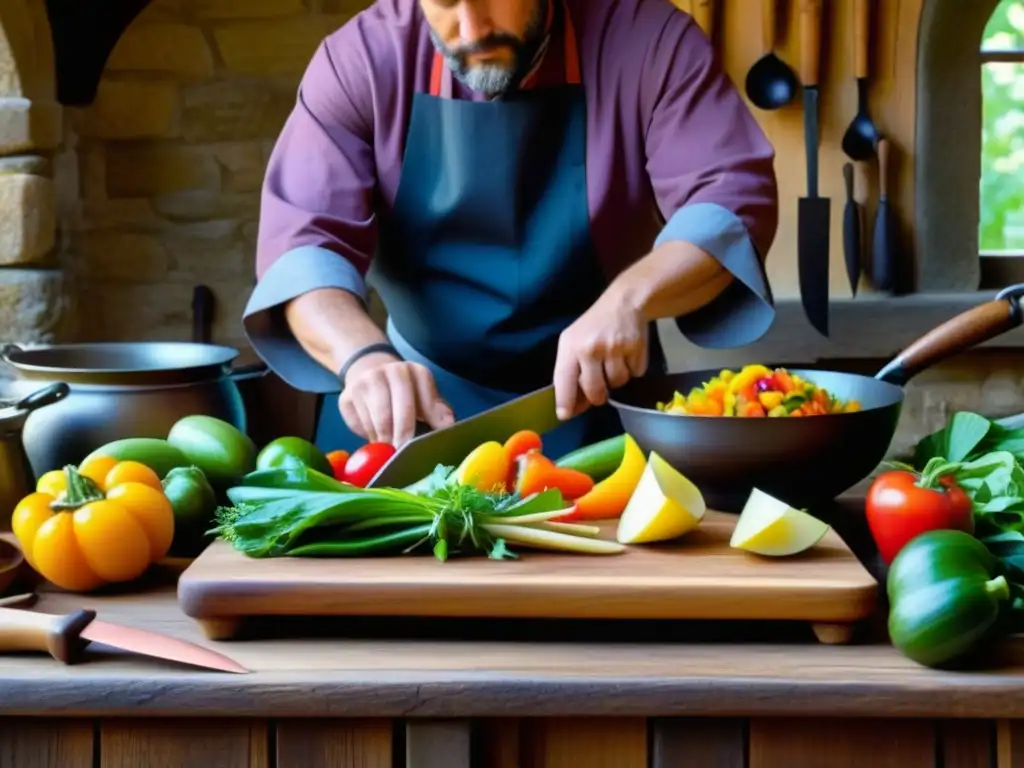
{"x":501,"y":703}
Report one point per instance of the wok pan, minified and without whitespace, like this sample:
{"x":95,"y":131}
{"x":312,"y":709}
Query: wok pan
{"x":803,"y":461}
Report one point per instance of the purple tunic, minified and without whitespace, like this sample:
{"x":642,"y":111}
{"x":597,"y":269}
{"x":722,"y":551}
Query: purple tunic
{"x":673,"y":153}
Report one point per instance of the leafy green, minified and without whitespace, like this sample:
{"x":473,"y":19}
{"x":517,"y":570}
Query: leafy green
{"x":985,"y":459}
{"x":294,"y":508}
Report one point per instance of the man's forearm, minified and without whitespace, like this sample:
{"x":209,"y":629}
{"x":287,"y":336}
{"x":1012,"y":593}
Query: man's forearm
{"x":673,"y":280}
{"x":331,"y":324}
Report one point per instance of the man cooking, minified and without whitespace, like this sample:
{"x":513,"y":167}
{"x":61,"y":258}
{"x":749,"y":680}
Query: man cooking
{"x":533,"y":183}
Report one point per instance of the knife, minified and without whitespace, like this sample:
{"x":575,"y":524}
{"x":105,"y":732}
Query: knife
{"x":65,"y":637}
{"x":813,"y":212}
{"x":852,"y":229}
{"x":421,"y":455}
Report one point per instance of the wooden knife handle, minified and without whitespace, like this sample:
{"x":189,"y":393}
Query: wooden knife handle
{"x":810,"y":41}
{"x":862,"y":38}
{"x":769,"y":24}
{"x":60,"y":636}
{"x":883,"y":167}
{"x":703,"y":12}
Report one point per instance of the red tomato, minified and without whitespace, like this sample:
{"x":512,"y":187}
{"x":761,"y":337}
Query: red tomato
{"x":899,"y":509}
{"x":337,"y":460}
{"x":366,"y":462}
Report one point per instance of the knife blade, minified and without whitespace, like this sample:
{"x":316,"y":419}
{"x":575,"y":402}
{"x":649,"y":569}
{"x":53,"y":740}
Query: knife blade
{"x":421,"y":455}
{"x":813,"y":211}
{"x":65,"y":637}
{"x":852,"y":228}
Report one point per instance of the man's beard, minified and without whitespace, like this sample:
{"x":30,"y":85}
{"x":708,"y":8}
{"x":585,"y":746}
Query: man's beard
{"x":496,"y":79}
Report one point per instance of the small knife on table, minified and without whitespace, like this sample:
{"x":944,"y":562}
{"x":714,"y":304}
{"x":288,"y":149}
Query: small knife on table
{"x":65,"y":637}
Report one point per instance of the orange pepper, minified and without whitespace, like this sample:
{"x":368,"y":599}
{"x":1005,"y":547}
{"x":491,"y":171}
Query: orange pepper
{"x":520,"y":443}
{"x":89,"y":533}
{"x":752,"y":410}
{"x":607,"y":500}
{"x":337,"y":460}
{"x":538,"y":473}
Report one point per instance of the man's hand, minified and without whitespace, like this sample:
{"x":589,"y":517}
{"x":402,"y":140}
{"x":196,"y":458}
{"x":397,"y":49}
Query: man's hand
{"x":602,"y":350}
{"x":385,"y":397}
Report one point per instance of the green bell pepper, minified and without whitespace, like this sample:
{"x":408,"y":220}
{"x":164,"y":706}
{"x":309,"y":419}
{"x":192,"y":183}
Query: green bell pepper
{"x":946,"y":596}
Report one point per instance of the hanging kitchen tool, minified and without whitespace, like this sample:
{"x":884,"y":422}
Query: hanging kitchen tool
{"x":703,"y":12}
{"x":418,"y":458}
{"x":771,"y":83}
{"x":883,"y":257}
{"x":65,"y":637}
{"x":813,"y":211}
{"x":808,"y":460}
{"x":17,"y":478}
{"x":861,"y":138}
{"x":853,"y":228}
{"x":202,"y":314}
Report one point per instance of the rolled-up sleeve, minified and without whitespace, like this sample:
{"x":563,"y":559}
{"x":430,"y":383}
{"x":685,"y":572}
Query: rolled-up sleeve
{"x":712,"y":171}
{"x":317,"y":228}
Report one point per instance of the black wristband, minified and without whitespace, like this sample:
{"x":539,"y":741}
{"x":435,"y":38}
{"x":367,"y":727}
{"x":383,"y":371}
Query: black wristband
{"x":369,"y":349}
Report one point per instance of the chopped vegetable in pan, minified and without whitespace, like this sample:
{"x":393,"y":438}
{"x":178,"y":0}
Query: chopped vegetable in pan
{"x":756,"y":391}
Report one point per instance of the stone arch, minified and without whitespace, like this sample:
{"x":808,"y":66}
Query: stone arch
{"x":948,"y":163}
{"x":31,"y":295}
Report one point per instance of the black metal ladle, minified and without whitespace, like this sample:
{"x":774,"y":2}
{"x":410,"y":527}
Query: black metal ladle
{"x":771,"y":83}
{"x":860,"y":142}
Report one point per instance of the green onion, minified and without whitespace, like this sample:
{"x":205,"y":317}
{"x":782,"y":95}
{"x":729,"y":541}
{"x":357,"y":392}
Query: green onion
{"x":299,"y":512}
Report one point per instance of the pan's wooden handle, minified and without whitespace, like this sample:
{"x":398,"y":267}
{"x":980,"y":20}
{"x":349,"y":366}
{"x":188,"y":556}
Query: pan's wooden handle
{"x":57,"y":635}
{"x":810,"y":41}
{"x":769,"y":23}
{"x":862,"y":38}
{"x":966,"y":330}
{"x":883,"y":167}
{"x":703,"y":12}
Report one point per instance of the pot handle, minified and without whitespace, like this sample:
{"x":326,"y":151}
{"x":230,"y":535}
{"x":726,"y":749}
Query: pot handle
{"x":966,"y":330}
{"x":248,"y":372}
{"x":9,"y":349}
{"x":48,"y":395}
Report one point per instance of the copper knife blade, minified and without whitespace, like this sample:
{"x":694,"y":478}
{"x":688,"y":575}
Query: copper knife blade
{"x":65,"y":637}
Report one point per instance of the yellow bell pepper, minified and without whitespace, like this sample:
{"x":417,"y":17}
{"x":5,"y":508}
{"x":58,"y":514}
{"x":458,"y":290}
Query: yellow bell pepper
{"x":80,"y":533}
{"x":608,"y":499}
{"x":486,"y":467}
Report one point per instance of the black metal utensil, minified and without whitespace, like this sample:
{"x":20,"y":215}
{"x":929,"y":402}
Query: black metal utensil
{"x":813,"y":211}
{"x":853,"y":226}
{"x":771,"y":82}
{"x":883,"y":257}
{"x":202,"y":314}
{"x":861,"y":138}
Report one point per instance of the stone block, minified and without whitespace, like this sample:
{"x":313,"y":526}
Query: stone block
{"x":347,"y":7}
{"x":27,"y":126}
{"x":122,"y":256}
{"x":273,"y":47}
{"x":131,"y":109}
{"x":209,"y":250}
{"x":203,"y":204}
{"x":243,"y":164}
{"x":28,"y":218}
{"x":246,"y":9}
{"x":238,"y":109}
{"x":160,"y":10}
{"x":33,"y":306}
{"x":154,"y":168}
{"x":165,"y":47}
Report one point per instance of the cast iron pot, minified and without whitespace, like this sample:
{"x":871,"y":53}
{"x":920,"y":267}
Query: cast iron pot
{"x":121,"y":390}
{"x":803,"y":461}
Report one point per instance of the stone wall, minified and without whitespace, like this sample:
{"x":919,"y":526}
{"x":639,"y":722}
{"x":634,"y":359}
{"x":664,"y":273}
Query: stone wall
{"x":163,"y":171}
{"x":157,"y":183}
{"x":33,"y":306}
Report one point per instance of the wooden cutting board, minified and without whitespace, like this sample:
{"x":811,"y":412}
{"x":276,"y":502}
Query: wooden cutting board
{"x":696,"y":577}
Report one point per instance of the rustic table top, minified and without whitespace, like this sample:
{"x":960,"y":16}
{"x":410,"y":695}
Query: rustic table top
{"x":447,"y":669}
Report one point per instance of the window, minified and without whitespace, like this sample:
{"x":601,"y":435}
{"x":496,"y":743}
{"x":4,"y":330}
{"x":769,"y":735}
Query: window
{"x":1001,"y":225}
